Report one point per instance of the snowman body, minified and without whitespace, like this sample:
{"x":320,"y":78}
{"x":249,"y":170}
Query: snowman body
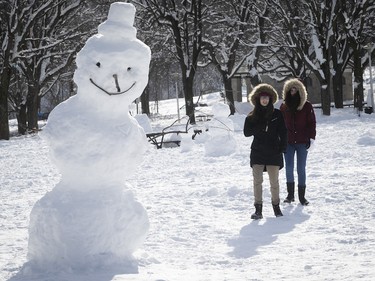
{"x":90,"y":219}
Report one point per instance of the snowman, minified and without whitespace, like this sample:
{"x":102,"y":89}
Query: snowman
{"x":220,"y":141}
{"x":91,"y":219}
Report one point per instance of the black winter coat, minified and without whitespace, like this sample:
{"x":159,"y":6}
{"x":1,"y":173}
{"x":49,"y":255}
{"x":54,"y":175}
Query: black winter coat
{"x":270,"y":140}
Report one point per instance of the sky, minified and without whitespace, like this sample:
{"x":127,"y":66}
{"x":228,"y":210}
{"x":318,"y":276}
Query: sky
{"x":89,"y":198}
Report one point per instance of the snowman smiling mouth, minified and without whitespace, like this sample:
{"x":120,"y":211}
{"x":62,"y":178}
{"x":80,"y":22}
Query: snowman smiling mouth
{"x":119,"y":92}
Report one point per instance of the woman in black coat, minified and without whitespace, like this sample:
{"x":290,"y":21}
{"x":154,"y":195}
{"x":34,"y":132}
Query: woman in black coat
{"x":267,"y":126}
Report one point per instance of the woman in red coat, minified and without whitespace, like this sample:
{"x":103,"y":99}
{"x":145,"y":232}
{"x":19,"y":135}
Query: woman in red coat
{"x":300,"y":121}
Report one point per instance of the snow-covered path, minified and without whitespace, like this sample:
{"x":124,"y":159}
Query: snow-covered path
{"x":199,"y":209}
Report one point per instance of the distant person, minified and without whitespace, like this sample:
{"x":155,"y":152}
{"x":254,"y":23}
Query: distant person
{"x":267,"y":126}
{"x":300,"y":121}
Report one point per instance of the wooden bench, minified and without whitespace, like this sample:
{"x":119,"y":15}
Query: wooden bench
{"x":158,"y":138}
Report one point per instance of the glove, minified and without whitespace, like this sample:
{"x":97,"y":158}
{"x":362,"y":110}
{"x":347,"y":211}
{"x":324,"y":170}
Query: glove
{"x":310,"y":145}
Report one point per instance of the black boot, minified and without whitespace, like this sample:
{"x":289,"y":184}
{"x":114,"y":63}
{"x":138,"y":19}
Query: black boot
{"x":277,"y":211}
{"x":258,"y":212}
{"x":301,"y":195}
{"x":290,"y":189}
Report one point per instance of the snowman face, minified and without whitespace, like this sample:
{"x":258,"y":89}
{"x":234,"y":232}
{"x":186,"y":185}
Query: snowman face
{"x":114,"y":69}
{"x":116,"y":77}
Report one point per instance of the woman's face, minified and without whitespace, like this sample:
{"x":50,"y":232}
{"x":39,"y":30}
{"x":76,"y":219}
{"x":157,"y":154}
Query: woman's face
{"x":293,"y":91}
{"x":264,"y":100}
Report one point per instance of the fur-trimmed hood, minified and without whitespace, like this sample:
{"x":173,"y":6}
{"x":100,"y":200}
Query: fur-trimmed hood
{"x":301,"y":90}
{"x":262,"y":88}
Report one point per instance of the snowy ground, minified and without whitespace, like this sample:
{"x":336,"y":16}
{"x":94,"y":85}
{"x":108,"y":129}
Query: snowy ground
{"x":199,"y":209}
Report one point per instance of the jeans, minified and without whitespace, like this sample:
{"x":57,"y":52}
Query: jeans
{"x":301,"y":151}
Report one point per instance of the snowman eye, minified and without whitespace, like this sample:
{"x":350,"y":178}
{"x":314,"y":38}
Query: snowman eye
{"x":98,"y":64}
{"x":129,"y":68}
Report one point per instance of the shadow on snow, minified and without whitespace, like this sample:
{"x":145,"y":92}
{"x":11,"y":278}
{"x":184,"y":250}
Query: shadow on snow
{"x":257,"y":233}
{"x":107,"y":274}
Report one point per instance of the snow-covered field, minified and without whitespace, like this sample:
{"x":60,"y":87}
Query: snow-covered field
{"x":199,"y":209}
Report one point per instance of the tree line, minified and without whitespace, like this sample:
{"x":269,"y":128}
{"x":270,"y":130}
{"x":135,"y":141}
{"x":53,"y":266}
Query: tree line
{"x":188,"y":38}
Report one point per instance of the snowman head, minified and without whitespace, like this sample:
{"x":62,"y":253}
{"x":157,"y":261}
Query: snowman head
{"x":113,"y":66}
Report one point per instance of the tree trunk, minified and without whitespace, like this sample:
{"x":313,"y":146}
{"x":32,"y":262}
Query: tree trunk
{"x":227,"y":83}
{"x":229,"y":93}
{"x":325,"y":100}
{"x":326,"y":88}
{"x":358,"y":80}
{"x":337,"y":81}
{"x":189,"y":103}
{"x":4,"y":87}
{"x":145,"y":101}
{"x":32,"y":104}
{"x":22,"y":120}
{"x":337,"y":86}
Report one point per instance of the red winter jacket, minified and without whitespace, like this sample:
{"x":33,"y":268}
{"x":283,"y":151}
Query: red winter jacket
{"x":301,"y":124}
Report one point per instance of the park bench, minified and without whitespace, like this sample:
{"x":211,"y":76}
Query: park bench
{"x":159,"y":138}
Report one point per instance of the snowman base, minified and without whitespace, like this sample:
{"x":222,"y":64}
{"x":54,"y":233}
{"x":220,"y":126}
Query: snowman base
{"x":74,"y":230}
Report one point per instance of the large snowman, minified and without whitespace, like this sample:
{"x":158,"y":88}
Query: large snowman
{"x":90,"y":219}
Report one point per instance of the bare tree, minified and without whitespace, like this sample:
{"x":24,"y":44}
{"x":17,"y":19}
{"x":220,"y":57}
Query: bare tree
{"x":39,"y":41}
{"x":56,"y":37}
{"x":359,"y":29}
{"x":34,"y":36}
{"x":184,"y":20}
{"x":227,"y":25}
{"x":318,"y":17}
{"x":9,"y":26}
{"x":287,"y":42}
{"x":323,"y":36}
{"x":341,"y":54}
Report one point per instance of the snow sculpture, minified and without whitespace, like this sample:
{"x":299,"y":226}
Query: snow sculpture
{"x":220,"y":129}
{"x":91,"y":219}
